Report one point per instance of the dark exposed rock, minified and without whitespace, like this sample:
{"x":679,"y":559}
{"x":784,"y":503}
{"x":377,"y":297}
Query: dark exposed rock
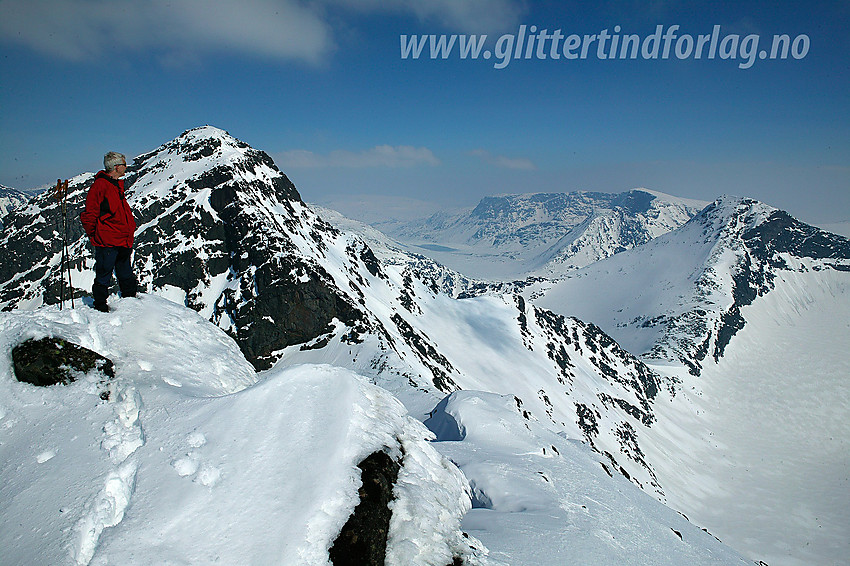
{"x":363,"y":539}
{"x":52,"y":361}
{"x":779,"y":234}
{"x":603,"y":351}
{"x":588,"y":421}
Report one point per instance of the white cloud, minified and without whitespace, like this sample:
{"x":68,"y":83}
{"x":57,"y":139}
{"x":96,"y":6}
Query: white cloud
{"x":79,"y":30}
{"x":519,"y":163}
{"x":185,"y":30}
{"x":378,"y":156}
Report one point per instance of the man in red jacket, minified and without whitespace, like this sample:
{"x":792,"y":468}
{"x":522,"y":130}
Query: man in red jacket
{"x":109,"y":224}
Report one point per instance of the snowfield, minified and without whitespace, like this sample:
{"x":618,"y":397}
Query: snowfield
{"x":756,"y":448}
{"x":543,"y":500}
{"x":195,"y":459}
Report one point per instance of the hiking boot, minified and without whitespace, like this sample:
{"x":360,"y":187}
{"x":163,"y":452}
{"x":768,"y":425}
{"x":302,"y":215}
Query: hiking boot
{"x":102,"y":307}
{"x":128,"y":287}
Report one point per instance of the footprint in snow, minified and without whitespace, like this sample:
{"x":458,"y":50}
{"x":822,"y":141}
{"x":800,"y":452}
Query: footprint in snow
{"x":196,"y":439}
{"x":191,"y":465}
{"x":186,"y":466}
{"x":208,"y":475}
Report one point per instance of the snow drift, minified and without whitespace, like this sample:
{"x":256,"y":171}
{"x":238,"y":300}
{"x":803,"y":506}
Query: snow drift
{"x":198,"y":460}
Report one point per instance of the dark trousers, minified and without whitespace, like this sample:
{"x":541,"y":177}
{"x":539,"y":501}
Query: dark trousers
{"x":107,"y":260}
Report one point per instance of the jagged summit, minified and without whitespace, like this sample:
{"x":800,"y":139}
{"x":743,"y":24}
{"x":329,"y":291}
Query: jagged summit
{"x":204,"y":151}
{"x":770,"y":232}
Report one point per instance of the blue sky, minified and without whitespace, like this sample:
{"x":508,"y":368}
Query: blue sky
{"x":322,"y":87}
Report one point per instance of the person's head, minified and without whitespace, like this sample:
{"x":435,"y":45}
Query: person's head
{"x":115,"y":164}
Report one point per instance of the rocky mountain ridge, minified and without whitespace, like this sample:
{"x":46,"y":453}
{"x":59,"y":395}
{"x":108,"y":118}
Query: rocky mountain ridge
{"x":680,"y":297}
{"x":222,"y":231}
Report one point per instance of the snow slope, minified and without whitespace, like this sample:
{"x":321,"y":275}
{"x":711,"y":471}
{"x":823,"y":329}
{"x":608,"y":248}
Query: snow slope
{"x":767,"y":467}
{"x":197,"y":459}
{"x":532,"y":487}
{"x":747,"y":310}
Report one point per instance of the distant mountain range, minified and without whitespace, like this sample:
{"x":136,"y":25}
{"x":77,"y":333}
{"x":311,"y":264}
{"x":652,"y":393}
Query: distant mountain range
{"x":681,"y":296}
{"x":513,"y":236}
{"x":604,"y":319}
{"x":10,"y":199}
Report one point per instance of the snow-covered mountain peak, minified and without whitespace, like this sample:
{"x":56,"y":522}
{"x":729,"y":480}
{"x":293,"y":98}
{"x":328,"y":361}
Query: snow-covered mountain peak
{"x":10,"y":199}
{"x":196,"y":159}
{"x":767,"y":234}
{"x":679,"y":297}
{"x":673,"y":199}
{"x":732,"y":214}
{"x":203,"y":141}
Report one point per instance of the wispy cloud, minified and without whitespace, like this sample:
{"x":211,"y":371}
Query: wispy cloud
{"x":78,"y":30}
{"x":378,"y":156}
{"x":187,"y":30}
{"x":519,"y":163}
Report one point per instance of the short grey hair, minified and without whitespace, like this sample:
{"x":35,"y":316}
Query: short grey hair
{"x":113,"y":159}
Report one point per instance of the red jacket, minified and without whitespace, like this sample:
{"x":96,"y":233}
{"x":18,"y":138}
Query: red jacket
{"x":107,"y":219}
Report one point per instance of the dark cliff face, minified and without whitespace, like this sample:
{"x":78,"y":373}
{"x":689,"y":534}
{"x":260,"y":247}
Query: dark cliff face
{"x":224,"y":237}
{"x":765,"y":244}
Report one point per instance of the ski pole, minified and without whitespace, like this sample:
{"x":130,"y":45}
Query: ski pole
{"x":65,"y":239}
{"x":58,"y":195}
{"x":64,"y":263}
